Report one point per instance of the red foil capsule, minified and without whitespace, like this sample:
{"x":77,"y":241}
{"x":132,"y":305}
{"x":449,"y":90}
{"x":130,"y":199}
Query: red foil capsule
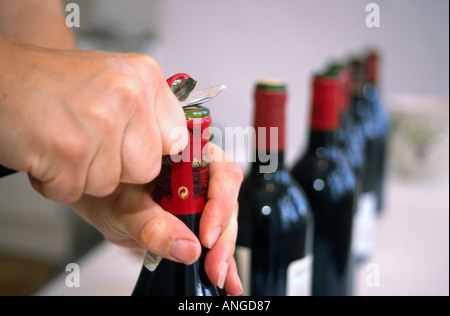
{"x":270,"y":102}
{"x":182,"y":185}
{"x":326,"y":103}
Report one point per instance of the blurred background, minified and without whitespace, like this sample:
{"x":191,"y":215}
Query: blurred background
{"x":236,"y":42}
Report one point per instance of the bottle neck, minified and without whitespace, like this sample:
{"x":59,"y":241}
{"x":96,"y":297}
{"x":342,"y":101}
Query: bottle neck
{"x":182,"y":185}
{"x":269,"y":120}
{"x":357,"y":82}
{"x":269,"y":123}
{"x":317,"y":139}
{"x":267,"y":162}
{"x":326,"y":104}
{"x":371,"y":67}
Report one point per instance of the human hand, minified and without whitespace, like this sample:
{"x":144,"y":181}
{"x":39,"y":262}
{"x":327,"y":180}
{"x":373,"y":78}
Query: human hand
{"x":129,"y":217}
{"x":84,"y":121}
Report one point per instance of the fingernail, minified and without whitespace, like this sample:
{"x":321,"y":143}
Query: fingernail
{"x":184,"y":250}
{"x":213,"y":237}
{"x":223,"y":275}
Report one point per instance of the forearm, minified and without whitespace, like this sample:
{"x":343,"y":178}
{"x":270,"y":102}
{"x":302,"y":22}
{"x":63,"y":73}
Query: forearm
{"x":36,"y":22}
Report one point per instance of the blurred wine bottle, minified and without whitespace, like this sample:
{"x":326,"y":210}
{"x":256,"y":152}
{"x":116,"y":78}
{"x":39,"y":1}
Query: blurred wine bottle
{"x":330,"y":185}
{"x":364,"y":121}
{"x":274,"y":243}
{"x":352,"y":140}
{"x":372,"y":93}
{"x":350,"y":137}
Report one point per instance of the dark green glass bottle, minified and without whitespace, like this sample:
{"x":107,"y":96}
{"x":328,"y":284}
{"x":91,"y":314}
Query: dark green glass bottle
{"x":330,"y":186}
{"x":274,"y":243}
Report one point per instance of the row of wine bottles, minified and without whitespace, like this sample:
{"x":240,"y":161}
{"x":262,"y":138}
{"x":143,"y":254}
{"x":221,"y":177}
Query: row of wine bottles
{"x":303,"y":231}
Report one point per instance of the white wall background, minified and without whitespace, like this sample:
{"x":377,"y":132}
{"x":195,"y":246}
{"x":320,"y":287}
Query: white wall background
{"x":236,"y":42}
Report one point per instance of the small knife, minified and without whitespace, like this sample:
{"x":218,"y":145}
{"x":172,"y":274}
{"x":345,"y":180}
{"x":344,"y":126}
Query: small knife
{"x":202,"y":96}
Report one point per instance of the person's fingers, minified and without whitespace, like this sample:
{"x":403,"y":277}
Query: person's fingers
{"x":141,"y":151}
{"x":223,"y":189}
{"x":155,"y":127}
{"x":219,"y":262}
{"x":171,"y":121}
{"x":141,"y":145}
{"x":105,"y":169}
{"x":218,"y":224}
{"x":57,"y":188}
{"x":233,"y":284}
{"x":49,"y":177}
{"x":155,"y":229}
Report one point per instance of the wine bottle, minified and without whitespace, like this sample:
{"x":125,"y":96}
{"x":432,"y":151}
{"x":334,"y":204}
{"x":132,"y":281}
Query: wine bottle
{"x":6,"y":171}
{"x":181,"y":189}
{"x":329,"y":183}
{"x":274,"y":242}
{"x":372,"y":93}
{"x":350,"y":137}
{"x":366,"y":216}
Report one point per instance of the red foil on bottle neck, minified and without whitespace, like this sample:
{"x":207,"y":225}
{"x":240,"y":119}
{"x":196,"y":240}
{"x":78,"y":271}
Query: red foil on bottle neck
{"x":326,"y":104}
{"x":371,"y":67}
{"x":270,"y":107}
{"x":182,"y":185}
{"x":345,"y":90}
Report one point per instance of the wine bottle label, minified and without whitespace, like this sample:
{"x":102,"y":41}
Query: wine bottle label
{"x":299,"y":277}
{"x":364,"y":225}
{"x":151,"y":261}
{"x":182,"y":184}
{"x":298,"y":273}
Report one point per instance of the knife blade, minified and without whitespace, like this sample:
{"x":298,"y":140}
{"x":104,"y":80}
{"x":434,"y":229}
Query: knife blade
{"x":202,"y":96}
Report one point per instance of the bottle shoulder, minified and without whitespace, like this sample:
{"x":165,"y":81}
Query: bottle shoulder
{"x":273,"y":184}
{"x":174,"y":279}
{"x":325,"y":173}
{"x":321,"y":160}
{"x":277,"y":196}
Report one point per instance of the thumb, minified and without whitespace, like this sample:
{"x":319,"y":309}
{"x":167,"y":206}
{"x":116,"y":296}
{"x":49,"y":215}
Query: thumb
{"x":171,"y":121}
{"x":165,"y":235}
{"x":130,"y":215}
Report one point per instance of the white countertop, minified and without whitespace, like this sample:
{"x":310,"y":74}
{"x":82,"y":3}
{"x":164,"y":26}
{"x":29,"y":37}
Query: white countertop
{"x":106,"y":270}
{"x":412,"y":240}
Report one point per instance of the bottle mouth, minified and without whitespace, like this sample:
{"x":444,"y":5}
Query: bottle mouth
{"x":272,"y":84}
{"x":196,"y":112}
